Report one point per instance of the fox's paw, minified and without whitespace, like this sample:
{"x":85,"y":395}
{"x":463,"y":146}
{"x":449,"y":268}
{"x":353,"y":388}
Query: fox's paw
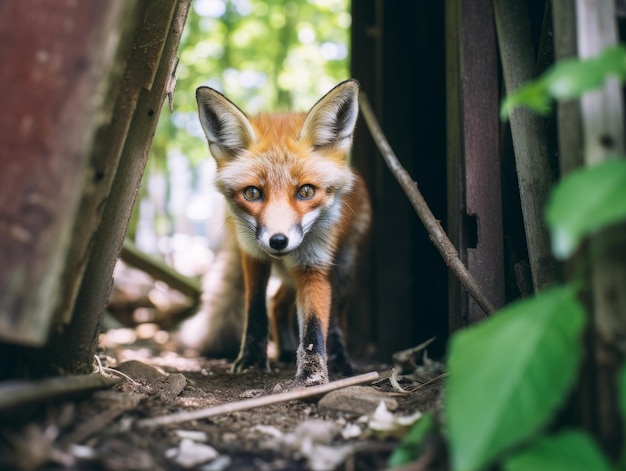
{"x":312,"y":369}
{"x":245,"y":363}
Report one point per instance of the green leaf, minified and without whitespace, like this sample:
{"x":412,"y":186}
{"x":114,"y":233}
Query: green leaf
{"x":509,"y":374}
{"x":567,"y":79}
{"x":568,"y":451}
{"x":533,"y":95}
{"x":621,"y":383}
{"x":410,"y":447}
{"x":586,"y":201}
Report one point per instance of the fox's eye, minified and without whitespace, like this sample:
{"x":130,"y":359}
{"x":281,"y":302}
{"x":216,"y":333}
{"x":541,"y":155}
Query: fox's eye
{"x":252,"y":193}
{"x":306,"y":192}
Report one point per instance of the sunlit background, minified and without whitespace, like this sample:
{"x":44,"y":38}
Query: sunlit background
{"x":262,"y":54}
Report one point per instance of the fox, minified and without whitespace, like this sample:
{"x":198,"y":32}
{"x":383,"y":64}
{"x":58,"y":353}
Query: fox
{"x":296,"y":209}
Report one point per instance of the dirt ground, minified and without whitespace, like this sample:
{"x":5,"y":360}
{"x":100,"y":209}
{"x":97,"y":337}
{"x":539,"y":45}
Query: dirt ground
{"x":346,"y":430}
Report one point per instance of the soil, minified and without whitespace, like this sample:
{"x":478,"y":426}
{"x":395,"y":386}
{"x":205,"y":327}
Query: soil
{"x":101,"y":431}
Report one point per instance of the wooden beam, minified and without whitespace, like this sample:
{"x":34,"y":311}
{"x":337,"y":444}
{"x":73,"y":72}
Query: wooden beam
{"x":603,"y":132}
{"x":159,"y":270}
{"x":473,"y":157}
{"x":535,"y":176}
{"x":72,"y":349}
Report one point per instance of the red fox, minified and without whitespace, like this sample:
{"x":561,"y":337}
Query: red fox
{"x":296,"y":209}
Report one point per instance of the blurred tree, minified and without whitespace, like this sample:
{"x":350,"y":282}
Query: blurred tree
{"x":263,"y":55}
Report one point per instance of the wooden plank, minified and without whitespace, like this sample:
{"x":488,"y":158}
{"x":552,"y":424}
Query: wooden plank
{"x":603,"y":124}
{"x":142,"y":43}
{"x":568,"y":113}
{"x":480,"y":117}
{"x":457,"y":297}
{"x":55,"y":57}
{"x":361,"y":328}
{"x":474,"y":190}
{"x":535,"y":178}
{"x":72,"y":350}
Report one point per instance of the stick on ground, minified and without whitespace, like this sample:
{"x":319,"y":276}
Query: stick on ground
{"x":300,"y":393}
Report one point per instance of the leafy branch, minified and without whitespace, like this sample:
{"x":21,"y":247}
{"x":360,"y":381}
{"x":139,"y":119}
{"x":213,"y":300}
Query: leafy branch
{"x":510,"y":374}
{"x":567,"y":80}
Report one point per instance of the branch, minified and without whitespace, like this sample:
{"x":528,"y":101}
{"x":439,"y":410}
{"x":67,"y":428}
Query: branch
{"x":16,"y":394}
{"x":300,"y":393}
{"x":433,"y":227}
{"x":159,"y":270}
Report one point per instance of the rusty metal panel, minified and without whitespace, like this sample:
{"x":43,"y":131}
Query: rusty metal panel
{"x":52,"y":56}
{"x":474,"y":181}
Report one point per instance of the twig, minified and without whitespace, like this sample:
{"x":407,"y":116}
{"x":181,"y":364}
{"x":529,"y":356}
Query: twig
{"x":406,"y":357}
{"x":160,"y":271}
{"x":430,"y":381}
{"x":106,"y":371}
{"x":393,"y":379}
{"x":300,"y":393}
{"x":433,"y":227}
{"x":17,"y":394}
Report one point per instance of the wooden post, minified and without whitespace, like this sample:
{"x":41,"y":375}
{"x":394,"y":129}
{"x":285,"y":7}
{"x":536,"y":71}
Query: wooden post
{"x":474,"y":193}
{"x":364,"y":39}
{"x":72,"y":349}
{"x":603,"y":131}
{"x":568,"y":113}
{"x":529,"y":138}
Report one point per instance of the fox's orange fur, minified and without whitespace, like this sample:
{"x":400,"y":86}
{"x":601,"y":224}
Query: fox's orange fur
{"x":296,"y":209}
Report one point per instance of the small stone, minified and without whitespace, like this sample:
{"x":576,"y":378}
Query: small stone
{"x":190,"y":454}
{"x":354,"y":400}
{"x":140,"y":371}
{"x":171,"y":386}
{"x":195,"y":435}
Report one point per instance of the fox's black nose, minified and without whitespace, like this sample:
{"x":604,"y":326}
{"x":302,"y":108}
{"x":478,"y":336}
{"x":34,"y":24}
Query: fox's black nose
{"x":278,"y":241}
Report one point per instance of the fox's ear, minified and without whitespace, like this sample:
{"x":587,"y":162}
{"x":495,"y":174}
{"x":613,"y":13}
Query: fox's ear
{"x":226,"y":127}
{"x":330,"y":123}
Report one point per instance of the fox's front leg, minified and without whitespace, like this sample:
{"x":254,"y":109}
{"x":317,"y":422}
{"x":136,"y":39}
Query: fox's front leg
{"x":313,"y":302}
{"x":253,"y":350}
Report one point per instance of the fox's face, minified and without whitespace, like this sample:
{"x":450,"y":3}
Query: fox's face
{"x":283,"y":175}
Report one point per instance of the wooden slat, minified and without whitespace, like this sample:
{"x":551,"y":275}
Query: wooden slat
{"x":474,"y":190}
{"x":54,"y":58}
{"x":535,"y":177}
{"x":603,"y":133}
{"x":138,"y":60}
{"x":364,"y":38}
{"x":72,"y":350}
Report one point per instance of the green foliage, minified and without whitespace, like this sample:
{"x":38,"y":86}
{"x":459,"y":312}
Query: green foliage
{"x":263,"y":54}
{"x":568,"y":451}
{"x":584,"y":202}
{"x":509,"y":373}
{"x":410,"y":448}
{"x":566,"y":80}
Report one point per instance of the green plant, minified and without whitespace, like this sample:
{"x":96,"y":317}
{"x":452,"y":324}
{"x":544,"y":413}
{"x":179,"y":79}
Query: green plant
{"x":510,"y":374}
